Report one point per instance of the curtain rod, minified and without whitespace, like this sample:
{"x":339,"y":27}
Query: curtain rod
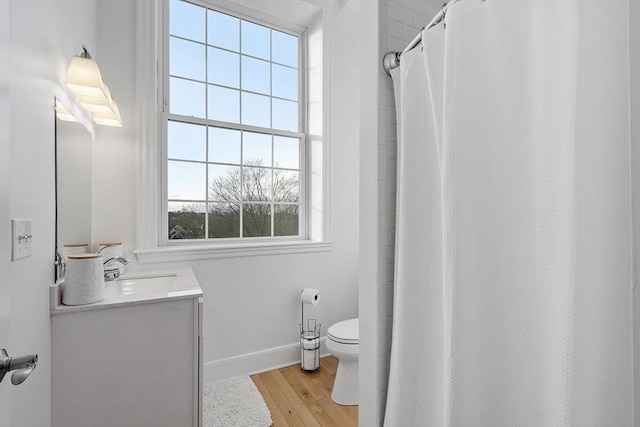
{"x":391,"y":60}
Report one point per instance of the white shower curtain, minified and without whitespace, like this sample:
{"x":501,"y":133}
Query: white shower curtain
{"x":513,"y":303}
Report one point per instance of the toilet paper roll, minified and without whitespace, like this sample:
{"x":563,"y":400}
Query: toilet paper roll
{"x":310,"y":359}
{"x":310,"y":296}
{"x":310,"y":343}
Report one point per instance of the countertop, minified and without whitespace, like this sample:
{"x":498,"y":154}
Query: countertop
{"x":186,"y":286}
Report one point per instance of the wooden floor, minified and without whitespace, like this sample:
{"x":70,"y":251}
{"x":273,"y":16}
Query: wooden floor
{"x":303,"y":398}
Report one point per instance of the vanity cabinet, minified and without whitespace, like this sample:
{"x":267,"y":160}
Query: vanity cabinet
{"x":128,"y":365}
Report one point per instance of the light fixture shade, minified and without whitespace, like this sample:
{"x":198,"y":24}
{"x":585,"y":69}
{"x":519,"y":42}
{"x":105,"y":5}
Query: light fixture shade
{"x":98,"y":104}
{"x":83,"y":77}
{"x":85,"y":81}
{"x":108,"y":119}
{"x":63,"y":114}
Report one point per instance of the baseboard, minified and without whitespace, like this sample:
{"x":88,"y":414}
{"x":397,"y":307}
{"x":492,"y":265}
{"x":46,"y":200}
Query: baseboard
{"x":256,"y":362}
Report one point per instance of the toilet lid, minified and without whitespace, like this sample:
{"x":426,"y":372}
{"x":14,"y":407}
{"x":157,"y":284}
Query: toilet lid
{"x":345,"y":332}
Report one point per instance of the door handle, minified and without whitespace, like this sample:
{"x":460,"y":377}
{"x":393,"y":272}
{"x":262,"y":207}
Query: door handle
{"x":22,"y":365}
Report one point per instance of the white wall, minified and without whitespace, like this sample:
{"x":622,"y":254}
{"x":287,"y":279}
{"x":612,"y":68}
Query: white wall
{"x":252,"y":304}
{"x":372,"y":231}
{"x":43,"y":36}
{"x":634,"y":36}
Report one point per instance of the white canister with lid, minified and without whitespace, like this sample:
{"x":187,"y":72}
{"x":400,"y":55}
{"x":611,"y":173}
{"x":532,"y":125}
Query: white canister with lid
{"x":73,"y":249}
{"x":84,"y":280}
{"x":112,"y":250}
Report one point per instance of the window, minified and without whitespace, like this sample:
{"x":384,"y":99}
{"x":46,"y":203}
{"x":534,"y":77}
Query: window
{"x":308,"y":211}
{"x":233,"y":128}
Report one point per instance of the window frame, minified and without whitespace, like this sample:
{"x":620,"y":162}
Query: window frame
{"x":165,"y":116}
{"x":148,"y":90}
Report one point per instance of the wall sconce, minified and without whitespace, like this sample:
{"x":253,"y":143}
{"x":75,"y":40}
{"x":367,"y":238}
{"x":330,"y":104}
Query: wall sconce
{"x":63,"y":114}
{"x":104,"y":110}
{"x":108,"y":118}
{"x":84,"y":79}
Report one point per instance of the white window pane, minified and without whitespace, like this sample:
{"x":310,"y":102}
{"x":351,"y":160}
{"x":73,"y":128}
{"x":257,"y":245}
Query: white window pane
{"x":285,"y":82}
{"x":224,"y":183}
{"x":224,"y":68}
{"x":256,"y":110}
{"x":224,"y":220}
{"x":256,"y":40}
{"x":256,"y":75}
{"x":286,"y":221}
{"x":186,"y":207}
{"x":224,"y":145}
{"x":186,"y":59}
{"x":286,"y":186}
{"x":187,"y":97}
{"x":256,"y":149}
{"x":186,"y":20}
{"x":256,"y":220}
{"x":186,"y":220}
{"x":285,"y":115}
{"x":224,"y":104}
{"x":285,"y":48}
{"x":186,"y":141}
{"x":256,"y":184}
{"x":223,"y":30}
{"x":186,"y":180}
{"x":286,"y":152}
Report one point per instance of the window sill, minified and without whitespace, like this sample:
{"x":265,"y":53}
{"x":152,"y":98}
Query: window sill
{"x":235,"y":250}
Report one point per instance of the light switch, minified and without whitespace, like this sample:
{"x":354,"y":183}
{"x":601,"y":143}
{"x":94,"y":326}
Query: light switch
{"x":20,"y":238}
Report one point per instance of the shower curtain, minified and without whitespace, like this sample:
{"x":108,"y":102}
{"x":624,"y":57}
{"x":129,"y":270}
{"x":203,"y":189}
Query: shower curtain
{"x":513,"y":293}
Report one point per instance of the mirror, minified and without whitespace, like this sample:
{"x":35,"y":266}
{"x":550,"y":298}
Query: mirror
{"x":74,"y":185}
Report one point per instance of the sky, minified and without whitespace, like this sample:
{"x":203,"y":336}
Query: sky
{"x":226,"y":69}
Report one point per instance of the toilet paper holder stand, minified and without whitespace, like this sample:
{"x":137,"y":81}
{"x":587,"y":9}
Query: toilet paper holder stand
{"x":309,"y":343}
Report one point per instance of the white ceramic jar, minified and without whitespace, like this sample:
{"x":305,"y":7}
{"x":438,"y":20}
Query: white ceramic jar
{"x":84,"y":280}
{"x":73,"y":249}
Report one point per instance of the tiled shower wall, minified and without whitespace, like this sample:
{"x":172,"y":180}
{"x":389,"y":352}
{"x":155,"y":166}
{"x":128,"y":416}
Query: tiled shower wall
{"x":400,"y":22}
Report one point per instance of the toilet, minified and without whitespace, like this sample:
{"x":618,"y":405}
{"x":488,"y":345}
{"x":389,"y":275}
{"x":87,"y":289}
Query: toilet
{"x":343,"y":343}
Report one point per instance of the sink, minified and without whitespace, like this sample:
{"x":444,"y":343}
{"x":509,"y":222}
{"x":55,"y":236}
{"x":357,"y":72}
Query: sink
{"x":134,"y":287}
{"x":144,"y":285}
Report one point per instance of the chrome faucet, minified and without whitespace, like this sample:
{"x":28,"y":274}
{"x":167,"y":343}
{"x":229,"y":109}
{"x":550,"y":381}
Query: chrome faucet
{"x":112,"y":272}
{"x":107,"y":246}
{"x":60,"y":266}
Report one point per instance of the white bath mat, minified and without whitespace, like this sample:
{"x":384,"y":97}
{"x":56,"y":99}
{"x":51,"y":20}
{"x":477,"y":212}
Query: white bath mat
{"x":234,"y":402}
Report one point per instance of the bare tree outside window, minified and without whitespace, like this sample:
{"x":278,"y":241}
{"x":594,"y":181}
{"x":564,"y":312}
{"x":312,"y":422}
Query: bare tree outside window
{"x":262,"y":194}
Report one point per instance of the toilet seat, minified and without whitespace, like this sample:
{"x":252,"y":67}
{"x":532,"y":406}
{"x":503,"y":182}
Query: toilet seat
{"x":345,"y":332}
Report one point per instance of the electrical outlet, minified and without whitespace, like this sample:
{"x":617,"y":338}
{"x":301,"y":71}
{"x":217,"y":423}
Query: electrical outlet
{"x":20,"y":238}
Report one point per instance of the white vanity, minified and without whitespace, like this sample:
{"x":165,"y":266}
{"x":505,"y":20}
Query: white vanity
{"x":132,"y":359}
